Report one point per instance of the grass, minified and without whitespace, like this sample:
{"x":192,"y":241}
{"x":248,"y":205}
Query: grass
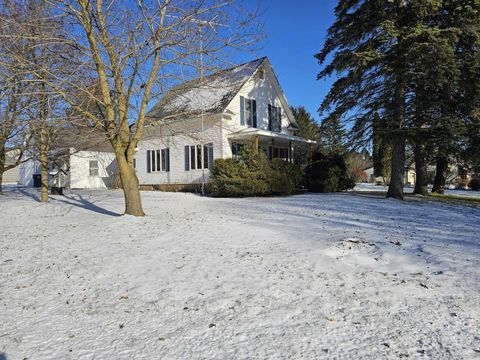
{"x":455,"y":197}
{"x":431,"y":196}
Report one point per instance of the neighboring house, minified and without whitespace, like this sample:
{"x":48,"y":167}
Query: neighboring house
{"x":80,"y":158}
{"x":11,"y":176}
{"x":197,"y":122}
{"x":455,"y":176}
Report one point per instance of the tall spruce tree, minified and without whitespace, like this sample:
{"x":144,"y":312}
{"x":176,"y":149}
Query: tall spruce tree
{"x":405,"y":61}
{"x":368,"y":41}
{"x":308,"y":129}
{"x":334,"y":136}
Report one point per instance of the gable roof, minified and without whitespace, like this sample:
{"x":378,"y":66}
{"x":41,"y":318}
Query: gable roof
{"x":213,"y":94}
{"x":81,"y":139}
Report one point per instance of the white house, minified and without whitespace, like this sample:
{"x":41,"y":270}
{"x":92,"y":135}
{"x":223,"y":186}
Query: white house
{"x":80,"y":158}
{"x":11,"y":176}
{"x":199,"y":121}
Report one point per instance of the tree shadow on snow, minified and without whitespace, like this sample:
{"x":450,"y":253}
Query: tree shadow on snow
{"x":79,"y":201}
{"x":3,"y":356}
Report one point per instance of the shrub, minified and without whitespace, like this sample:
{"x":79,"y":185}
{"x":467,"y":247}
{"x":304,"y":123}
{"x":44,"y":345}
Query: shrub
{"x":328,"y":174}
{"x":285,"y":178}
{"x":253,"y":175}
{"x":475,"y":184}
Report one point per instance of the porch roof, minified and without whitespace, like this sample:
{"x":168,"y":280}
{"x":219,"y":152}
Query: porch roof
{"x":250,"y":133}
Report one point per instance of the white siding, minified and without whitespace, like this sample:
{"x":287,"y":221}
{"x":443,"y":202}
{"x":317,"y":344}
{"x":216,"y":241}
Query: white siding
{"x":11,"y":176}
{"x":265,"y":91}
{"x":80,"y":170}
{"x":27,"y":170}
{"x":176,"y":137}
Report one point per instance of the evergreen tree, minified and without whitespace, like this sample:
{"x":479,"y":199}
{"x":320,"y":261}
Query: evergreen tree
{"x":334,"y":136}
{"x":382,"y":151}
{"x":307,"y":129}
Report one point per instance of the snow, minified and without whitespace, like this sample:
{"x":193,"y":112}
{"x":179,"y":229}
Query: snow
{"x":367,"y":187}
{"x":308,"y":276}
{"x":216,"y":91}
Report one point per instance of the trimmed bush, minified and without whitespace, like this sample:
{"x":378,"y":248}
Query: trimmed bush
{"x":328,"y":174}
{"x":474,"y":184}
{"x":253,"y":175}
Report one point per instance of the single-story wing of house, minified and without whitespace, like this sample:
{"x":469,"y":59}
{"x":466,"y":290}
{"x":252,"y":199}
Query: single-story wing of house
{"x":80,"y":158}
{"x":11,"y":176}
{"x":206,"y":119}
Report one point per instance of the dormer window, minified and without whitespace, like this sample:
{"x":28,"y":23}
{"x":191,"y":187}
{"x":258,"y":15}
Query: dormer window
{"x":248,"y":112}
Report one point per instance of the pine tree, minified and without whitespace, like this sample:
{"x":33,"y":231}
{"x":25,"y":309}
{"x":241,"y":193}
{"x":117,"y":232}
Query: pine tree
{"x":382,"y":151}
{"x":334,"y":136}
{"x":307,"y":129}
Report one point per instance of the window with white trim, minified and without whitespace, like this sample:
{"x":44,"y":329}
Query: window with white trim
{"x":274,"y":118}
{"x":158,"y":160}
{"x":248,"y":112}
{"x":198,"y":157}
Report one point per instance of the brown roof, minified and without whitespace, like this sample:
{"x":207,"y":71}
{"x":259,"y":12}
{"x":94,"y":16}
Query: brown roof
{"x":82,"y":138}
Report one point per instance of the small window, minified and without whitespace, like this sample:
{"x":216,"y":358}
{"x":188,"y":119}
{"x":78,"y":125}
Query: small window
{"x":205,"y":156}
{"x":199,"y":156}
{"x":192,"y":157}
{"x":261,"y":74}
{"x":93,"y":167}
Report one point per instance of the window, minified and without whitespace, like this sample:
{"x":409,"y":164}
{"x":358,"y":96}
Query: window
{"x":248,"y":112}
{"x":278,"y":153}
{"x":93,"y":167}
{"x":274,"y":118}
{"x":236,"y":149}
{"x":158,"y":160}
{"x":261,"y":74}
{"x":198,"y":157}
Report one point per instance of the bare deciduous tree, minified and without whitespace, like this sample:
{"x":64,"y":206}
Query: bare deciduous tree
{"x":134,"y":51}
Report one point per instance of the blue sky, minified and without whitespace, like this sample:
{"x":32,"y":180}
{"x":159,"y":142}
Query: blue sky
{"x":295,"y":32}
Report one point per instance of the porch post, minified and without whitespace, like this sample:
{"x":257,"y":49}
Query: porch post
{"x":290,"y":157}
{"x":257,"y":144}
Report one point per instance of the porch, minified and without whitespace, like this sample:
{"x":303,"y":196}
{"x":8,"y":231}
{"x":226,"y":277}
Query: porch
{"x":273,"y":144}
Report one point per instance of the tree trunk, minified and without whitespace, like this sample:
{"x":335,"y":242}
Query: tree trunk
{"x":130,"y":185}
{"x":395,"y":188}
{"x":420,"y":170}
{"x":2,"y":167}
{"x":44,"y":173}
{"x":440,"y":175}
{"x":1,"y":179}
{"x":397,"y":176}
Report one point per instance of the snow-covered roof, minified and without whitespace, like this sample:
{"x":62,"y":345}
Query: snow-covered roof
{"x":212,"y":95}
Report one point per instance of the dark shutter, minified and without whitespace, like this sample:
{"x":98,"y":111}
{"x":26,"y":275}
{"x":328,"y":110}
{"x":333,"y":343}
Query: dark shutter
{"x":210,"y":155}
{"x":187,"y":158}
{"x":159,"y":168}
{"x":149,"y":167}
{"x":254,"y":113}
{"x":167,"y":153}
{"x":279,"y":119}
{"x":242,"y":110}
{"x":269,"y":117}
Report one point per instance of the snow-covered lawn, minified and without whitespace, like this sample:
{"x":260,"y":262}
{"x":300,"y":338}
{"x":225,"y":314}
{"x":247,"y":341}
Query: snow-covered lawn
{"x":310,"y":276}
